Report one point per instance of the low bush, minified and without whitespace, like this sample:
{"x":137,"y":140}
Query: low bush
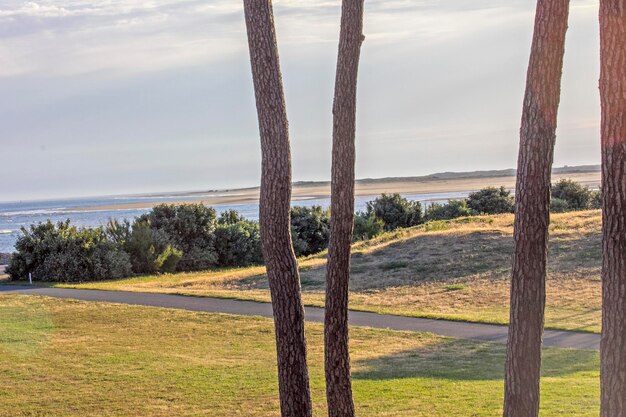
{"x":238,"y":243}
{"x":451,"y":210}
{"x":596,"y":199}
{"x":395,"y":211}
{"x":558,"y":206}
{"x":310,"y":229}
{"x":63,"y":252}
{"x":575,"y":195}
{"x":167,"y":261}
{"x":143,"y":244}
{"x":188,"y":228}
{"x":366,"y":226}
{"x":230,"y":216}
{"x":491,"y":200}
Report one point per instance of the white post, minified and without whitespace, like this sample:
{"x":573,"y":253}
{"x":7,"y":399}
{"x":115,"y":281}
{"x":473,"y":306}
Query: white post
{"x":30,"y":278}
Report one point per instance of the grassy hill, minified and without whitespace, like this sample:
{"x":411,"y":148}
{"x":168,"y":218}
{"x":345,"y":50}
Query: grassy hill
{"x":456,"y":269}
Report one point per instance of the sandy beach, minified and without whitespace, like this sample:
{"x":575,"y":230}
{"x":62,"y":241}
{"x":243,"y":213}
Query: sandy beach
{"x":363,"y":188}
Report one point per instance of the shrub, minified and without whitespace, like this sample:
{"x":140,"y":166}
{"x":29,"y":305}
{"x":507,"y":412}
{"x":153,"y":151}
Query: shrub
{"x":168,"y":259}
{"x":491,"y":200}
{"x":189,"y":228}
{"x":238,"y":244}
{"x":596,"y":199}
{"x":577,"y":196}
{"x":451,"y":210}
{"x":366,"y":226}
{"x":141,"y":246}
{"x":109,"y":261}
{"x":118,"y":231}
{"x":230,"y":217}
{"x":558,"y":206}
{"x":63,"y":252}
{"x":395,"y":211}
{"x":310,"y":229}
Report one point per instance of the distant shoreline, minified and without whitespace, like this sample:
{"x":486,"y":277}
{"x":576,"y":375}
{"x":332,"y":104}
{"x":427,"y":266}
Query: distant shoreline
{"x":436,"y":183}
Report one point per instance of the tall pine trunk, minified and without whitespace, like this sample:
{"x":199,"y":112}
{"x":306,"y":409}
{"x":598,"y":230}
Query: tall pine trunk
{"x":280,"y":260}
{"x":532,"y":212}
{"x":337,"y":356}
{"x":613,"y":132}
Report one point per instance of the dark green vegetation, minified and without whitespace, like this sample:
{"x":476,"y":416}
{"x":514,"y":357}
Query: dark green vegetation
{"x":395,"y":211}
{"x":67,"y":358}
{"x":451,"y":210}
{"x":568,"y":195}
{"x":170,"y":238}
{"x":65,"y":252}
{"x":491,"y":200}
{"x":237,"y":240}
{"x":191,"y":237}
{"x":310,"y":229}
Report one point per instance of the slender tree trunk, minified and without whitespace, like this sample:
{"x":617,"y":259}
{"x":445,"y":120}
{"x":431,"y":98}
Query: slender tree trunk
{"x":532,"y":214}
{"x":337,"y":356}
{"x":613,"y":100}
{"x":282,"y":268}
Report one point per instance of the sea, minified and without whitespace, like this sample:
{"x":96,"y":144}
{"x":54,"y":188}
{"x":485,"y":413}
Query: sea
{"x":15,"y":215}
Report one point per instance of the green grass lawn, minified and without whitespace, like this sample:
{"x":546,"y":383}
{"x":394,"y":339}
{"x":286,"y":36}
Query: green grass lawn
{"x":71,"y":358}
{"x":457,"y":270}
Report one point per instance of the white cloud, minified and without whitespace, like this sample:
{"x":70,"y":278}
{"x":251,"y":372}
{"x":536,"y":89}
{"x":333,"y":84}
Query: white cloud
{"x":75,"y":37}
{"x":71,"y":37}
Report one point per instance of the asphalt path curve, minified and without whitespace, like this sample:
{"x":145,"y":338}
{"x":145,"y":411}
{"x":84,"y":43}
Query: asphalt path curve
{"x":457,"y":329}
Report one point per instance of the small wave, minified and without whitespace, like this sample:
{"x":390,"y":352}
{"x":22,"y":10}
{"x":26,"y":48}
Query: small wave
{"x":33,"y":212}
{"x":6,"y":232}
{"x":64,"y":211}
{"x":224,"y":195}
{"x":178,"y":197}
{"x":86,"y":210}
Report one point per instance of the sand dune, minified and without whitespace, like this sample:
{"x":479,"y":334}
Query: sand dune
{"x":363,"y":188}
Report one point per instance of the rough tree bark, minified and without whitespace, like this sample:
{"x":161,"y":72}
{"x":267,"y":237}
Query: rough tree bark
{"x":532,"y":214}
{"x":613,"y":132}
{"x":336,"y":353}
{"x":280,"y":260}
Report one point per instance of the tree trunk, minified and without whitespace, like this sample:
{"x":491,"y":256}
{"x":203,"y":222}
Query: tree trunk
{"x":532,"y":214}
{"x":337,"y":356}
{"x":613,"y":101}
{"x":282,"y":268}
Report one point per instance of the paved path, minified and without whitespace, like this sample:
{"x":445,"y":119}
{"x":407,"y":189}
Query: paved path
{"x":473,"y":331}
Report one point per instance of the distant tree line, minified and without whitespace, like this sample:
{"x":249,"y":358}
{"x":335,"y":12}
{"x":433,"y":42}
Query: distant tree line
{"x":192,"y":237}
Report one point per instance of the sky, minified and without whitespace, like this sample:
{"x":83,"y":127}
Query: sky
{"x":103,"y":97}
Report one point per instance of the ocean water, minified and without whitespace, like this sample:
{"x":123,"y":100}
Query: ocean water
{"x":14,"y":215}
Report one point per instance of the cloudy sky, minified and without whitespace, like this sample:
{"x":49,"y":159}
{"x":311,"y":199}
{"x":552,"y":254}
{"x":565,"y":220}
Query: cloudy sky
{"x":126,"y":96}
